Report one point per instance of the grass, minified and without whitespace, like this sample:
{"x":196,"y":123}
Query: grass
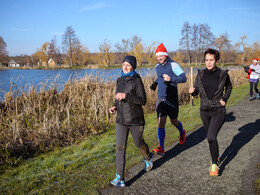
{"x":257,"y":182}
{"x":87,"y":167}
{"x":32,"y":123}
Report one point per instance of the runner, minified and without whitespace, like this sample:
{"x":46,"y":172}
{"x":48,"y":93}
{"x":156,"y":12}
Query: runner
{"x":254,"y":70}
{"x":211,"y":82}
{"x":169,"y":74}
{"x":129,"y":99}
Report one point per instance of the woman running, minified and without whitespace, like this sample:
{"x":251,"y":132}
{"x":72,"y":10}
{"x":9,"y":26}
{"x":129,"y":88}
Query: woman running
{"x":211,"y":83}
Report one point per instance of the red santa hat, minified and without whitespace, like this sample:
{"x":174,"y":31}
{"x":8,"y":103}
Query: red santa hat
{"x":161,"y":50}
{"x":255,"y":60}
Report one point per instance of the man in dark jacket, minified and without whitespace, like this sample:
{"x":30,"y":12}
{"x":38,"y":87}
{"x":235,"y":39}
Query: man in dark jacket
{"x":130,"y":97}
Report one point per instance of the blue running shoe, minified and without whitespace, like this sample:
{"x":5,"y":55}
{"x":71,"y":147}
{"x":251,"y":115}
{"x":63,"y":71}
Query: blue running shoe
{"x":251,"y":98}
{"x":148,"y":164}
{"x":257,"y":96}
{"x":118,"y":181}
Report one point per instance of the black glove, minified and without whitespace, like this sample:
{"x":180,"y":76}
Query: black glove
{"x":167,"y":82}
{"x":253,"y":70}
{"x":153,"y":86}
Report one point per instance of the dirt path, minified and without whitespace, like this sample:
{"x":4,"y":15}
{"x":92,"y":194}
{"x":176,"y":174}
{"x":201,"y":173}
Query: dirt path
{"x":185,"y":169}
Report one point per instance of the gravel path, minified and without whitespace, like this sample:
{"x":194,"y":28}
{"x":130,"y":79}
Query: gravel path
{"x":185,"y":169}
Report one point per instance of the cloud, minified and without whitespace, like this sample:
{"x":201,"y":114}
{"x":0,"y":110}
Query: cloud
{"x":20,"y":29}
{"x":96,"y":6}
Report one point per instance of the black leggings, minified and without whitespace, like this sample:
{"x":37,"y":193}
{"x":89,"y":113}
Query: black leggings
{"x":213,"y":121}
{"x":121,"y":142}
{"x":253,"y":85}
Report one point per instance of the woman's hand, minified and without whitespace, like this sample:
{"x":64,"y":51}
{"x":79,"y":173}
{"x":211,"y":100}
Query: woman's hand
{"x":191,"y":90}
{"x":222,"y":102}
{"x":112,"y":110}
{"x":120,"y":96}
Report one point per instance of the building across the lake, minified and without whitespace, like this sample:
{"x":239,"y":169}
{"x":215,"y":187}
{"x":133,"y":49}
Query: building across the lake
{"x":12,"y":63}
{"x":51,"y":63}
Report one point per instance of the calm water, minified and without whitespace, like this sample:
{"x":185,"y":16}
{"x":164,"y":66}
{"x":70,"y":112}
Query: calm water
{"x":23,"y":79}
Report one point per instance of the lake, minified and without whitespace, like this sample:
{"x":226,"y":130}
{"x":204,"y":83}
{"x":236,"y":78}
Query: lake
{"x":24,"y":79}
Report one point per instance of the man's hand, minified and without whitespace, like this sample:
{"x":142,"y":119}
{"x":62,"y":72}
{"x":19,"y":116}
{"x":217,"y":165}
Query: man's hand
{"x":166,"y":77}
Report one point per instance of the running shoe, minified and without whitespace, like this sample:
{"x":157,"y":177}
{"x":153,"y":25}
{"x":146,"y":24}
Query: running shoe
{"x":257,"y":96}
{"x":218,"y":162}
{"x":118,"y":181}
{"x":159,"y":151}
{"x":148,"y":164}
{"x":182,"y":138}
{"x":214,"y":170}
{"x":251,"y":98}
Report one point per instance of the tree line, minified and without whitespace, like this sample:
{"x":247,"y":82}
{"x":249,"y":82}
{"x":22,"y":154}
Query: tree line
{"x":195,"y":39}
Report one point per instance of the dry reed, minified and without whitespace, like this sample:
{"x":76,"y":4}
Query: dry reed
{"x":33,"y":122}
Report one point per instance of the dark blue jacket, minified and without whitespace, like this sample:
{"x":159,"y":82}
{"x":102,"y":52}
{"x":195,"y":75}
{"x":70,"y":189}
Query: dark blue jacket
{"x":171,"y":68}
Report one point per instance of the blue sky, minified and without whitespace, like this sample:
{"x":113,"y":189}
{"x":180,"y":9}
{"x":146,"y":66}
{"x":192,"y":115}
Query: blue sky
{"x":26,"y":24}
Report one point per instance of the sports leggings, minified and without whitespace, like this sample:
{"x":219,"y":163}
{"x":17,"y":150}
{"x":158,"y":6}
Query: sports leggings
{"x":121,"y":143}
{"x":253,"y":85}
{"x":213,"y":121}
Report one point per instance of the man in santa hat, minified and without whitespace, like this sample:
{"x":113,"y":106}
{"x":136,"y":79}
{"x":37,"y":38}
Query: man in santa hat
{"x":169,"y":74}
{"x":254,"y":78}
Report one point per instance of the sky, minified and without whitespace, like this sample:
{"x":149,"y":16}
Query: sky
{"x":25,"y":25}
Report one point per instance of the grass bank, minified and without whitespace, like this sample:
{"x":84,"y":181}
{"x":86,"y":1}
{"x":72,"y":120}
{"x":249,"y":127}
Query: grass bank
{"x":89,"y":165}
{"x":32,"y":123}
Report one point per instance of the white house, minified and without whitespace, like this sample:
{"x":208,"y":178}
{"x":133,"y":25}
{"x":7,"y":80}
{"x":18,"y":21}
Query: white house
{"x":12,"y":63}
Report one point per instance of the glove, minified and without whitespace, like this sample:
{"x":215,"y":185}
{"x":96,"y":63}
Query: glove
{"x":167,"y":82}
{"x":153,"y":86}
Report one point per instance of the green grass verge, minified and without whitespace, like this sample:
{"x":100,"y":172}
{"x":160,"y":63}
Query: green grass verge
{"x":87,"y":167}
{"x":257,"y":182}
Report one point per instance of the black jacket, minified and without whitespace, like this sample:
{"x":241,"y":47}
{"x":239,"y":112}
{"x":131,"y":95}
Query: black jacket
{"x":224,"y":84}
{"x":129,"y":110}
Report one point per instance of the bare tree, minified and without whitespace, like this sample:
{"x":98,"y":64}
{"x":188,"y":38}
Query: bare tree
{"x":185,"y":42}
{"x":150,"y":49}
{"x":138,"y":52}
{"x":244,"y":45}
{"x":137,"y":49}
{"x":85,"y":56}
{"x":3,"y":52}
{"x":223,"y":44}
{"x":256,"y":49}
{"x":69,"y":37}
{"x":124,"y":47}
{"x":77,"y":53}
{"x":206,"y":39}
{"x":53,"y":50}
{"x":134,"y":41}
{"x":105,"y":52}
{"x":195,"y":42}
